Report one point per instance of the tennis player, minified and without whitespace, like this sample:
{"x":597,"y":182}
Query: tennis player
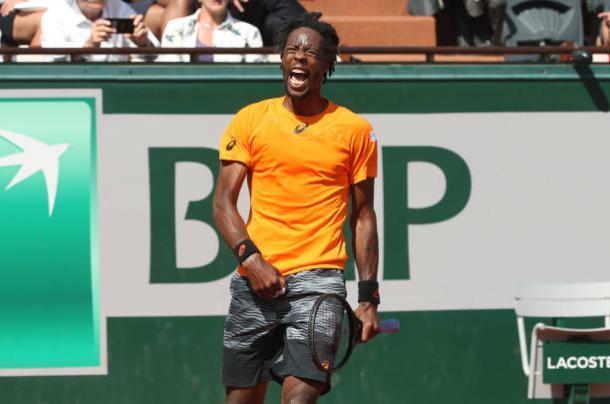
{"x":303,"y":157}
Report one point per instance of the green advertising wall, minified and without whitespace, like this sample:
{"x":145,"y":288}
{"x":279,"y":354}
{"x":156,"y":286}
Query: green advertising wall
{"x":439,"y":357}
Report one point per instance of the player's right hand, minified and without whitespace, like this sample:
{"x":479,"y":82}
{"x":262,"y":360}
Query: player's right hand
{"x":264,"y":278}
{"x":100,"y":31}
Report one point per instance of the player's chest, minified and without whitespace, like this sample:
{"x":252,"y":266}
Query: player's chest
{"x":300,"y":149}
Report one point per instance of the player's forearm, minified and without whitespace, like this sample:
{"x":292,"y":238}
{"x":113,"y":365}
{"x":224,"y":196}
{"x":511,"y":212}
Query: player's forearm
{"x":365,"y":243}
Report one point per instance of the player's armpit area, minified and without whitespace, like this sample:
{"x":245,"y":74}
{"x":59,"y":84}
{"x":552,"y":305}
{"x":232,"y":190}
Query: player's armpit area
{"x":230,"y":179}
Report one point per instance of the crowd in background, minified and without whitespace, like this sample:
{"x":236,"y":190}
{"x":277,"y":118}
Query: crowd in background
{"x":479,"y":23}
{"x":161,"y":23}
{"x":224,"y":23}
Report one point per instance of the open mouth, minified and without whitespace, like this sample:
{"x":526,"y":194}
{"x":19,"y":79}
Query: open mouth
{"x":298,"y":78}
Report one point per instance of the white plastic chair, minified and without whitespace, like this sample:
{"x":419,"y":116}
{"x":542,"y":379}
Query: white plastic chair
{"x":558,"y":300}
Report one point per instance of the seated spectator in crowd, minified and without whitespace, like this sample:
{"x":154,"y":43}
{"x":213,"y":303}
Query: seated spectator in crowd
{"x":480,"y":22}
{"x":477,"y":22}
{"x":157,"y":13}
{"x":604,"y":29}
{"x":211,"y":26}
{"x":19,"y":27}
{"x":266,"y":15}
{"x":84,"y":23}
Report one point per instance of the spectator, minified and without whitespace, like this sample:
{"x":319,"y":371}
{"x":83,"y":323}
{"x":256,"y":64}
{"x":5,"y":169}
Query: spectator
{"x":267,"y":15}
{"x":157,"y":13}
{"x":477,"y":22}
{"x":19,"y":27}
{"x":604,"y":30}
{"x":211,"y":26}
{"x":84,"y":23}
{"x":473,"y":23}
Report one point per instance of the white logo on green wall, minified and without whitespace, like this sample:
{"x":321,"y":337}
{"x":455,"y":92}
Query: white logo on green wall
{"x":35,"y":157}
{"x":579,"y":362}
{"x":573,"y":362}
{"x":49,"y":319}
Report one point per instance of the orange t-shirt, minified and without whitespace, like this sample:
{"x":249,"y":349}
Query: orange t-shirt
{"x":300,"y":169}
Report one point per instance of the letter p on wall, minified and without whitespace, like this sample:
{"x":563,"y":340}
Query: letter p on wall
{"x":397,"y":213}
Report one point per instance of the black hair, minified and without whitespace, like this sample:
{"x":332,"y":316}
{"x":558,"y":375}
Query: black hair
{"x":330,"y":43}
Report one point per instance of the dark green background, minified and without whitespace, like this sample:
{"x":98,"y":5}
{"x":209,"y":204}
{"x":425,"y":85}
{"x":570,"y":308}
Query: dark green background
{"x":195,"y":89}
{"x":439,"y":357}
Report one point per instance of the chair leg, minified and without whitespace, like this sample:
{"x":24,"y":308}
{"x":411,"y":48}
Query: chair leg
{"x":579,"y":394}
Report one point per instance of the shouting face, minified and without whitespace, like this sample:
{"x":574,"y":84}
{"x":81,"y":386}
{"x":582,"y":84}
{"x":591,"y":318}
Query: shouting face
{"x":303,"y":63}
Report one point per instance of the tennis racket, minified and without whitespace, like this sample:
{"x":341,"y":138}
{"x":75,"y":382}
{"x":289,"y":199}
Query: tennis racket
{"x":334,"y":331}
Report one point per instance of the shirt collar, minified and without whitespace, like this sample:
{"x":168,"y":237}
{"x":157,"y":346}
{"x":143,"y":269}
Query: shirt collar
{"x":228,"y":22}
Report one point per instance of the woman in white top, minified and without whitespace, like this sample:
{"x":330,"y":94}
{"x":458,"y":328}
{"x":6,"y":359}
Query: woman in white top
{"x":211,"y":26}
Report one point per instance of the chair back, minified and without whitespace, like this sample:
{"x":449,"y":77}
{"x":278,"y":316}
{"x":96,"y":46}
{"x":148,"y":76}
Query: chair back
{"x":542,"y":22}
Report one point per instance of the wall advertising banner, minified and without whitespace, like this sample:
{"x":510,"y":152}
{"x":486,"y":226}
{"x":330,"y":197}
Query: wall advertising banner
{"x":467,"y":205}
{"x":49,"y":290}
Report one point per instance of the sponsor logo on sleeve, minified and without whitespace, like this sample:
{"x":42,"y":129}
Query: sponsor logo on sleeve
{"x":231,"y":144}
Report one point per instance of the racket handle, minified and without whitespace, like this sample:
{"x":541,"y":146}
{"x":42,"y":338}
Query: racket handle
{"x":390,"y":326}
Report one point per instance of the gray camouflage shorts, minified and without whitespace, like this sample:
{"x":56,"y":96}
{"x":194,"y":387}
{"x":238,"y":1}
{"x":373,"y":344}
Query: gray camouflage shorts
{"x":266,"y":339}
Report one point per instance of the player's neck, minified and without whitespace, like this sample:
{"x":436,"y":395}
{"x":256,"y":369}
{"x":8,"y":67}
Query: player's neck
{"x":307,"y":106}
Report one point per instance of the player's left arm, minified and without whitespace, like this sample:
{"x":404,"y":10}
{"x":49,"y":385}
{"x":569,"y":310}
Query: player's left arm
{"x":365,"y":243}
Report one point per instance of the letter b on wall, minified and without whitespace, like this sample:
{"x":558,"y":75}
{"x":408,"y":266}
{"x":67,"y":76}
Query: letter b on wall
{"x":187,"y":208}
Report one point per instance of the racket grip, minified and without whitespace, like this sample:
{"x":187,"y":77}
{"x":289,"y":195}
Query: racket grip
{"x":390,"y":326}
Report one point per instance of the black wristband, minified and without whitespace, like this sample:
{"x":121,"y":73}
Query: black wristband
{"x":244,"y":249}
{"x":368,"y":291}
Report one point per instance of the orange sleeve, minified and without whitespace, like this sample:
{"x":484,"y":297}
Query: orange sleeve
{"x":363,"y":161}
{"x":234,"y":143}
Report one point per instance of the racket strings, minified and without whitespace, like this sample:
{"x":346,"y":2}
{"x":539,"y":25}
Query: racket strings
{"x":331,"y":333}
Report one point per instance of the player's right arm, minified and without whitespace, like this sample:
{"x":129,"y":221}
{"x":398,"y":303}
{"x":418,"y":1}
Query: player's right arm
{"x":264,"y":278}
